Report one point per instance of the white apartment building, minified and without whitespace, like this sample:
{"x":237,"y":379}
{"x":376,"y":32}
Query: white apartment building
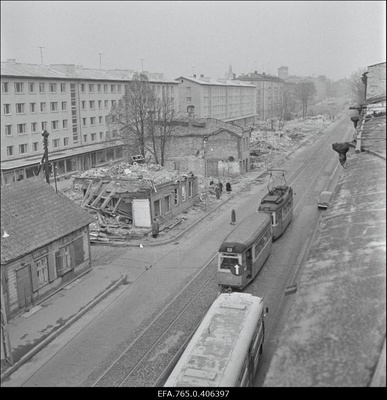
{"x":226,"y":100}
{"x":71,"y":103}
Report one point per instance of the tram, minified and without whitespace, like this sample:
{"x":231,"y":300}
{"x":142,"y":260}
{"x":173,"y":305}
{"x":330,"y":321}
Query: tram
{"x":226,"y":347}
{"x":244,"y":251}
{"x":278,"y":203}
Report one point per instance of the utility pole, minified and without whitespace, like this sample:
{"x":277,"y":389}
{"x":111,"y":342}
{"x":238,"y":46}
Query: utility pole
{"x":100,"y":54}
{"x":41,"y":54}
{"x":45,"y":156}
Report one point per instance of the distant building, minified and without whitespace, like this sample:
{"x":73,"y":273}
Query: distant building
{"x":376,"y":80}
{"x":209,"y":147}
{"x":47,"y":243}
{"x":269,"y":93}
{"x":222,"y":99}
{"x":71,"y":103}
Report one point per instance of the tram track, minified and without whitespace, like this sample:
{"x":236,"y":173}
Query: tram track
{"x":143,"y":362}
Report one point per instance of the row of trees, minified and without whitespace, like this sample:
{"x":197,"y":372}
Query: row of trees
{"x":143,"y":120}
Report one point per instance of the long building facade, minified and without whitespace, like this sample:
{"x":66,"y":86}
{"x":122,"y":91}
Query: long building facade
{"x":222,"y":99}
{"x":69,"y":102}
{"x":269,"y":91}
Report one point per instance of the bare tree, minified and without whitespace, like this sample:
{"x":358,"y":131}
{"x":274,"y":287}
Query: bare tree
{"x":162,"y":123}
{"x":286,"y":106}
{"x":304,"y":92}
{"x":357,"y":86}
{"x":130,"y":116}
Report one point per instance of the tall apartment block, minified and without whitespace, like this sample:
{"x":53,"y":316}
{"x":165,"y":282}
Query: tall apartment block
{"x":226,"y":100}
{"x":71,"y":103}
{"x":269,"y":93}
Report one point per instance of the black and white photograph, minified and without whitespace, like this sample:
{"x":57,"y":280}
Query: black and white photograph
{"x":193,"y":196}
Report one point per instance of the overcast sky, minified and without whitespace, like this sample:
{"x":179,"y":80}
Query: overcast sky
{"x":311,"y":38}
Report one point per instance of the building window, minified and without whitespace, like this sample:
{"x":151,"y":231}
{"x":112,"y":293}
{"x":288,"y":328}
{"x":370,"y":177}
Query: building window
{"x":42,"y":271}
{"x":82,"y":88}
{"x":167,"y":204}
{"x":63,"y":260}
{"x":65,"y":141}
{"x":54,"y":125}
{"x":105,"y":88}
{"x":42,"y":107}
{"x":54,"y":106}
{"x":35,"y":146}
{"x":21,"y":128}
{"x":19,"y":87}
{"x":52,"y":87}
{"x":9,"y":150}
{"x":44,"y":125}
{"x":101,"y":135}
{"x":5,"y":87}
{"x":64,"y":105}
{"x":83,"y":105}
{"x":190,"y":189}
{"x":91,"y":104}
{"x":91,"y":88}
{"x":106,"y":103}
{"x":183,"y":194}
{"x":99,"y":104}
{"x":8,"y":130}
{"x":115,"y":133}
{"x":64,"y":124}
{"x":92,"y":121}
{"x":22,"y":148}
{"x":32,"y":107}
{"x":34,"y":127}
{"x":19,"y":108}
{"x":56,"y":143}
{"x":31,"y":87}
{"x":99,"y":87}
{"x":113,"y":103}
{"x":42,"y":88}
{"x":100,"y":120}
{"x":93,"y":136}
{"x":85,"y":138}
{"x":189,"y":99}
{"x":119,"y":88}
{"x":176,"y":197}
{"x":83,"y":121}
{"x":7,"y":109}
{"x":63,"y":87}
{"x":112,"y":88}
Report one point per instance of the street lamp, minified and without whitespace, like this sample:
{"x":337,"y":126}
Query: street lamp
{"x":205,"y":139}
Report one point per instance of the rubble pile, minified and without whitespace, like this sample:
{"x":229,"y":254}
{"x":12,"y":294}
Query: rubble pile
{"x":268,"y":147}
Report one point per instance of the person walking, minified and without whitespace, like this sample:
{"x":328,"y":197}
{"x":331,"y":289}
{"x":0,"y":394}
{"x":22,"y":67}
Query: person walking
{"x":228,"y":187}
{"x":233,"y":217}
{"x":217,"y":192}
{"x":155,"y":228}
{"x":220,"y":184}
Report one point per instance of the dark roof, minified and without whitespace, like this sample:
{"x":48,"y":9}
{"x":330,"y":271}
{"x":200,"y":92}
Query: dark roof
{"x":34,"y":215}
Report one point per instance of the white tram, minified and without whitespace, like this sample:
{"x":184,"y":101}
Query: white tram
{"x":226,"y":347}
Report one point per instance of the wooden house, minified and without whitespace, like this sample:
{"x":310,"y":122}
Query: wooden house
{"x":45,"y":243}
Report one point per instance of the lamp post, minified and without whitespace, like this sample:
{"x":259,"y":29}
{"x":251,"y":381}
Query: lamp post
{"x":205,"y":139}
{"x":45,"y":135}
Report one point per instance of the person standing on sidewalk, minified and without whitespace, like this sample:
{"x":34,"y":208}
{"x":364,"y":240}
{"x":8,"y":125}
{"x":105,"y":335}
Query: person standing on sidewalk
{"x":217,"y":192}
{"x":233,"y":217}
{"x":155,"y":228}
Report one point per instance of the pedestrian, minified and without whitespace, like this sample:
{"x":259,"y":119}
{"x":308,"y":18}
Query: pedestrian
{"x":220,"y":184}
{"x":217,"y":192}
{"x":228,"y":187}
{"x":155,"y":228}
{"x":233,"y":217}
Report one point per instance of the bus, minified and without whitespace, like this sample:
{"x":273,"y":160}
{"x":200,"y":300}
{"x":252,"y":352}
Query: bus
{"x":244,"y":251}
{"x":226,"y":347}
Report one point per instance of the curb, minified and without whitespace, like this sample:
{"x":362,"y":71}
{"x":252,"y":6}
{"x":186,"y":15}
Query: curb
{"x":56,"y":333}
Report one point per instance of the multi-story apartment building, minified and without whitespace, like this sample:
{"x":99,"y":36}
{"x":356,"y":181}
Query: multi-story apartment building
{"x":226,"y":100}
{"x":269,"y":93}
{"x":69,"y":102}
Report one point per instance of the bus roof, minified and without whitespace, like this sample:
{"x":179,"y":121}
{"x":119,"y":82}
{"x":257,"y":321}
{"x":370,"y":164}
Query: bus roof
{"x":246,"y":232}
{"x":217,"y":350}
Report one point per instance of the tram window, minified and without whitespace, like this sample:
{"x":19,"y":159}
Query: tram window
{"x":273,"y":219}
{"x":248,"y":254}
{"x":227,"y":262}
